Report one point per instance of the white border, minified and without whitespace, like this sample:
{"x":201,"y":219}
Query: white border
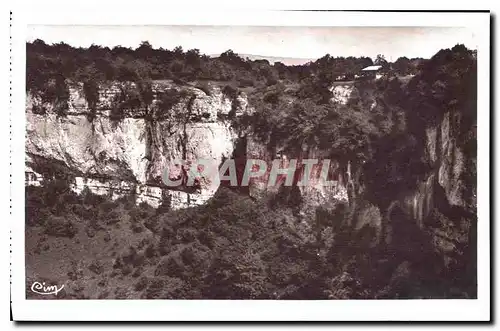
{"x":207,"y":310}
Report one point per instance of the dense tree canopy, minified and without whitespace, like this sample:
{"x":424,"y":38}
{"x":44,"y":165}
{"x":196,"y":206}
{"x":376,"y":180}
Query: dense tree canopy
{"x":97,"y":63}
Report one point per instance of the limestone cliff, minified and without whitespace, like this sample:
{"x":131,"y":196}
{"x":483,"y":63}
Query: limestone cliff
{"x":118,"y":158}
{"x":446,"y":182}
{"x":130,"y":155}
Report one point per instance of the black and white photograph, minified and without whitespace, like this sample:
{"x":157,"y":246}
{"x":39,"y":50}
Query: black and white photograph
{"x":253,"y":162}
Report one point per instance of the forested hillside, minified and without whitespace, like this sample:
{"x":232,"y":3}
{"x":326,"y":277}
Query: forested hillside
{"x":99,"y":64}
{"x":408,"y":230}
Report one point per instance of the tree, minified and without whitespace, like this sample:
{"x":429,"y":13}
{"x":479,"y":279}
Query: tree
{"x":193,"y":57}
{"x":91,"y":92}
{"x":402,"y":66}
{"x":145,"y":50}
{"x":380,"y":60}
{"x":231,"y":57}
{"x":178,"y":52}
{"x":146,"y":95}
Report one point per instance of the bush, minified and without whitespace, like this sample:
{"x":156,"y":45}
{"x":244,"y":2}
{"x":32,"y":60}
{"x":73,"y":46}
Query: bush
{"x":117,"y":113}
{"x":246,"y":83}
{"x":38,"y":110}
{"x":186,"y":262}
{"x":107,"y":206}
{"x":142,"y":212}
{"x":272,"y":97}
{"x":54,"y":91}
{"x":271,"y":81}
{"x":153,"y":224}
{"x":96,"y":267}
{"x":128,"y":200}
{"x":128,"y":99}
{"x":142,"y":283}
{"x":37,"y":211}
{"x":230,"y":92}
{"x":137,"y":227}
{"x":90,"y":198}
{"x":60,"y":227}
{"x":91,"y":92}
{"x":164,"y":288}
{"x":179,"y":81}
{"x":204,"y":86}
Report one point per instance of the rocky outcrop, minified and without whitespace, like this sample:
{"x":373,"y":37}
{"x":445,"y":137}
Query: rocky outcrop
{"x":341,"y":93}
{"x":445,"y":183}
{"x":318,"y":191}
{"x":132,"y":154}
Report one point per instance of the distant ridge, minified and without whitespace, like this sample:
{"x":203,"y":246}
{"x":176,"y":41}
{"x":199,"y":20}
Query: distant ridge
{"x":273,"y":59}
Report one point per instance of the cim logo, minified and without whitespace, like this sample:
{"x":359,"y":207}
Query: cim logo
{"x":41,"y":288}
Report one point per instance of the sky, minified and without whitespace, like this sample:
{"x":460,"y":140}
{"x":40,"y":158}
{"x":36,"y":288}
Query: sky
{"x":276,"y":41}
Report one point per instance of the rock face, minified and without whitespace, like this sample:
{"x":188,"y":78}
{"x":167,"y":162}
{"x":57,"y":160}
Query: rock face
{"x":321,"y":190}
{"x":452,"y":160}
{"x":341,"y":93}
{"x":132,"y":155}
{"x":448,"y":161}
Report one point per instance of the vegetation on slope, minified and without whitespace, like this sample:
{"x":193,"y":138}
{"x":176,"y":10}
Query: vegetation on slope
{"x":231,"y":248}
{"x":50,"y":68}
{"x":239,"y":248}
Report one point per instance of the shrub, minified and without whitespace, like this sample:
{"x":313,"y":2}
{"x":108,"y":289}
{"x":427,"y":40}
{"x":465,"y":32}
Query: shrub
{"x":107,"y":206}
{"x":144,"y":210}
{"x":137,"y":227}
{"x":54,"y":91}
{"x":37,"y":216}
{"x":169,"y":98}
{"x":61,"y":106}
{"x":271,"y":81}
{"x":186,"y":262}
{"x":153,"y":224}
{"x":342,"y":286}
{"x":146,"y":94}
{"x":117,"y":113}
{"x":69,"y":198}
{"x":36,"y":209}
{"x":187,"y":235}
{"x":128,"y":200}
{"x":126,"y":270}
{"x":164,"y":288}
{"x":179,"y":81}
{"x":96,"y":267}
{"x":150,"y":251}
{"x":38,"y":110}
{"x":272,"y":97}
{"x":230,"y":92}
{"x":90,"y":198}
{"x":128,"y":99}
{"x":91,"y":92}
{"x":142,"y":283}
{"x":246,"y":83}
{"x":204,"y":86}
{"x":90,"y":231}
{"x":53,"y":191}
{"x":138,"y":271}
{"x":60,"y":227}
